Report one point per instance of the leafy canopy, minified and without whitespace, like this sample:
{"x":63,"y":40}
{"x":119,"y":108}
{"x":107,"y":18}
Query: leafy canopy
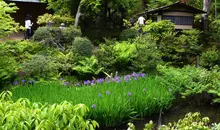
{"x":7,"y":24}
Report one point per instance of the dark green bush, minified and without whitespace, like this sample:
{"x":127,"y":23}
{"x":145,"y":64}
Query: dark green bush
{"x":215,"y":30}
{"x":70,"y":33}
{"x":41,"y":67}
{"x":8,"y":65}
{"x":54,"y":36}
{"x":82,"y":46}
{"x":180,"y":50}
{"x":42,"y":34}
{"x":147,"y":56}
{"x":191,"y":81}
{"x":210,"y":58}
{"x":129,"y":34}
{"x":106,"y":57}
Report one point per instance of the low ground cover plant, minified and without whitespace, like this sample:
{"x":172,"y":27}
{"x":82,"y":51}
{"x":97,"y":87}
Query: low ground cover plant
{"x":189,"y":81}
{"x":25,"y":115}
{"x":111,"y":103}
{"x":191,"y":121}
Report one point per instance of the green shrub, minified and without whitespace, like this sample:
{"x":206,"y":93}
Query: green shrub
{"x":187,"y":80}
{"x":8,"y":25}
{"x":82,"y":46}
{"x":8,"y":65}
{"x":214,"y":29}
{"x":42,"y":34}
{"x":180,"y":50}
{"x":54,"y":36}
{"x":124,"y":51}
{"x":158,"y":28}
{"x":106,"y":57}
{"x":210,"y":58}
{"x":191,"y":81}
{"x":88,"y":66}
{"x":69,"y":33}
{"x":41,"y":67}
{"x":129,"y":33}
{"x":57,"y":19}
{"x":24,"y":115}
{"x":22,"y":50}
{"x":147,"y":56}
{"x":65,"y":61}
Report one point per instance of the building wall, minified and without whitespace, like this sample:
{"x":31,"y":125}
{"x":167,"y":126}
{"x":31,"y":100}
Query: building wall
{"x":183,"y":27}
{"x":34,"y":9}
{"x":178,"y":13}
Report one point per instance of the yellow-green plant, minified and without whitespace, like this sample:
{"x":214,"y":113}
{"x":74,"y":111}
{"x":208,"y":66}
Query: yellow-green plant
{"x":24,"y":115}
{"x":191,"y":121}
{"x":88,"y":66}
{"x":57,"y":19}
{"x":8,"y":25}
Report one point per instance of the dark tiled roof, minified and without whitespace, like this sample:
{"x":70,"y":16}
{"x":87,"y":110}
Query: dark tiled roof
{"x":176,"y":4}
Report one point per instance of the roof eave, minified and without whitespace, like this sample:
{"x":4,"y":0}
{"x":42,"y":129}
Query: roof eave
{"x":195,"y":10}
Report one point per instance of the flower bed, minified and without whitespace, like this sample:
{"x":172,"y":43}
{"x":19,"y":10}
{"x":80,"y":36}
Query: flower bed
{"x":112,"y":101}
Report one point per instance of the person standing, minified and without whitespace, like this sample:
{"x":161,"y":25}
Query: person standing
{"x":141,"y":20}
{"x":28,"y":26}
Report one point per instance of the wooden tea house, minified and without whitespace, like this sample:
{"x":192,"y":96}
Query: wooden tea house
{"x":181,"y":14}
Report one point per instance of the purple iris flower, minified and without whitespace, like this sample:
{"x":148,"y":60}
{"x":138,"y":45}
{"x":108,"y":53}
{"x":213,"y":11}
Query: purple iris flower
{"x":66,"y":83}
{"x":23,"y":81}
{"x":101,"y":80}
{"x":143,"y":75}
{"x":107,"y":92}
{"x":134,"y":74}
{"x":129,"y":94}
{"x":61,"y":79}
{"x":94,"y":106}
{"x":86,"y":82}
{"x":127,"y":79}
{"x":15,"y":83}
{"x":135,"y":78}
{"x":29,"y":81}
{"x":144,"y":89}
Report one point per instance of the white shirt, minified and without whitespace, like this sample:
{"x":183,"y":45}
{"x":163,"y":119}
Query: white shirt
{"x":28,"y":24}
{"x":141,"y":20}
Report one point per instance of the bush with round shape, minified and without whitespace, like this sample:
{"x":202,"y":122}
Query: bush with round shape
{"x":129,"y":33}
{"x":82,"y":46}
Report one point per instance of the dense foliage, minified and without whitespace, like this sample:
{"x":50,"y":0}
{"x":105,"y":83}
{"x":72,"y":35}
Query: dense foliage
{"x":50,"y":67}
{"x":23,"y":114}
{"x":8,"y":25}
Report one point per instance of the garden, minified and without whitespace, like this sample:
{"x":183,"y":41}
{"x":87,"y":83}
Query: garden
{"x":106,"y":74}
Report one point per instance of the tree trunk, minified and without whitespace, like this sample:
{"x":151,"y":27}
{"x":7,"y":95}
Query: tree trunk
{"x":78,"y":14}
{"x":206,"y":8}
